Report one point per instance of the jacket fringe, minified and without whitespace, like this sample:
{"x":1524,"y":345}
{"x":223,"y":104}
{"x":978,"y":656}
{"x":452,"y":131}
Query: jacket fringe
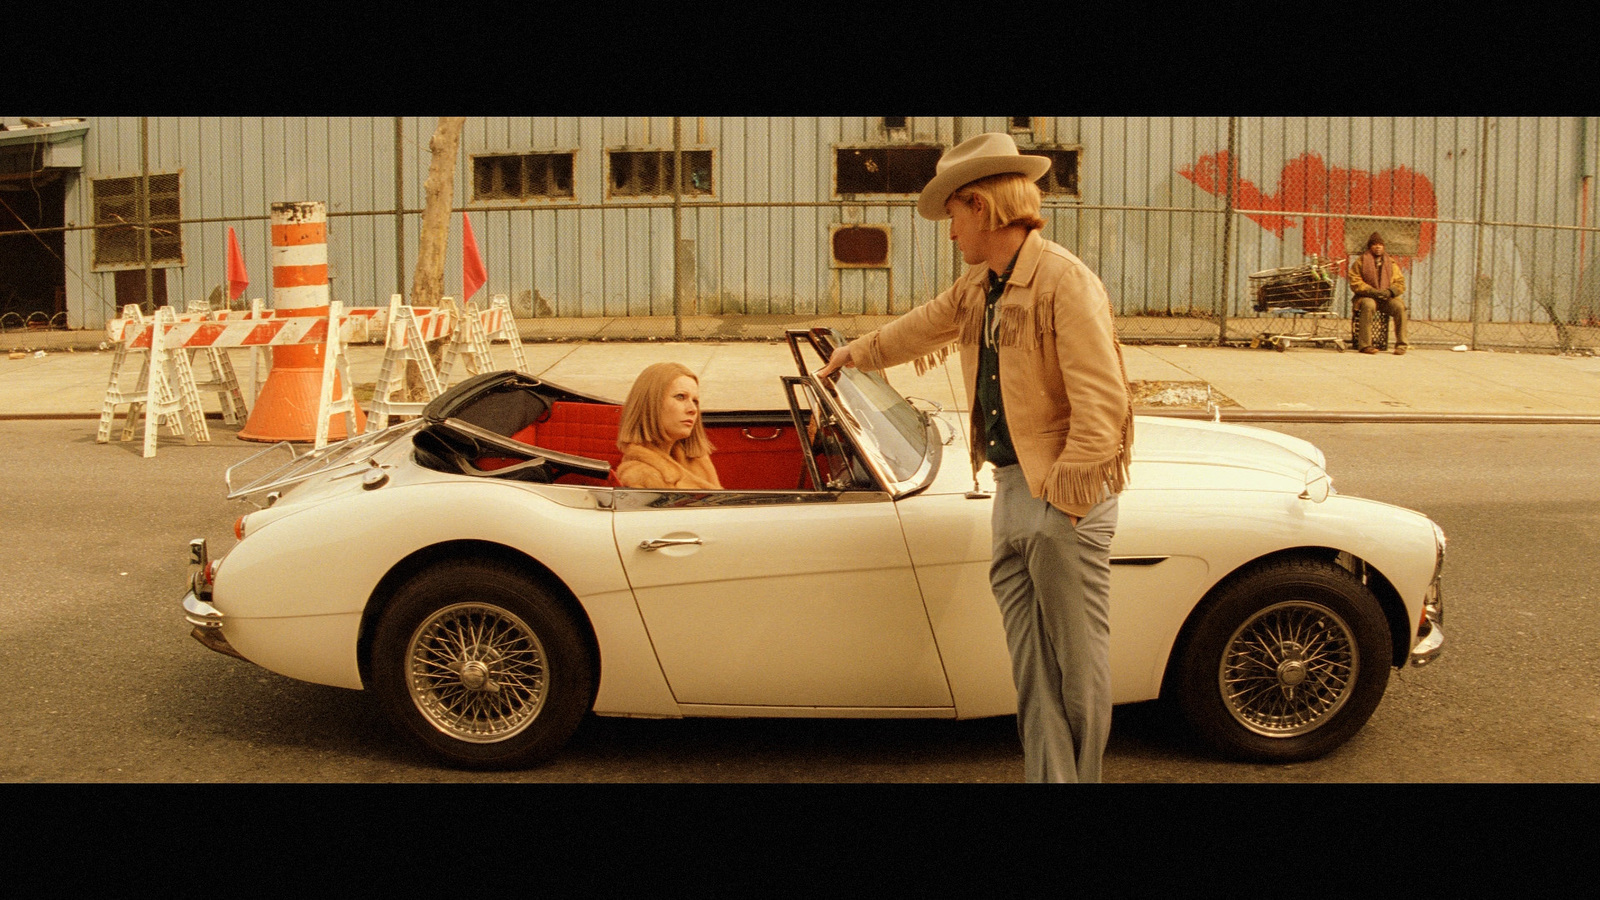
{"x":1085,"y":484}
{"x":1013,"y":329}
{"x":923,"y":363}
{"x":1089,"y":483}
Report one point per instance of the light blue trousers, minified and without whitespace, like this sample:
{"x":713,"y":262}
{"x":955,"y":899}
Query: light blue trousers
{"x":1053,"y":583}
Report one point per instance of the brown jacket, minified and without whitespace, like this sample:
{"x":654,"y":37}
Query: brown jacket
{"x":644,"y":466}
{"x":1359,"y":286}
{"x":1061,"y":373}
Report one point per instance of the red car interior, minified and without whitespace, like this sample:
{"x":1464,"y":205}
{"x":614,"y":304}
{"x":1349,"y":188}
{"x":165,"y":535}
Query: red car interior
{"x":754,"y":458}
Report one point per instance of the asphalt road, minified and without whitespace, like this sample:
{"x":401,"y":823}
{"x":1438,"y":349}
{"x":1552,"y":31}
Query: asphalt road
{"x":104,"y":685}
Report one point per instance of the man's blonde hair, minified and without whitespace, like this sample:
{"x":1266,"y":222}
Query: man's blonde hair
{"x":1010,"y":198}
{"x":641,"y":412}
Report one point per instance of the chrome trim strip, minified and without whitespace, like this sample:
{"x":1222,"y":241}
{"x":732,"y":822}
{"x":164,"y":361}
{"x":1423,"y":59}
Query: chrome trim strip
{"x":635,"y":499}
{"x":1138,"y":560}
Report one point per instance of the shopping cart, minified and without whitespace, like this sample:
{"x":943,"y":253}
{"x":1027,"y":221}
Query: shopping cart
{"x":1304,"y":292}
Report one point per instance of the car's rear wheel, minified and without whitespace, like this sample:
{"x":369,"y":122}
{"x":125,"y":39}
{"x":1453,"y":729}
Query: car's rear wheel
{"x":1286,"y":663}
{"x":482,"y":665}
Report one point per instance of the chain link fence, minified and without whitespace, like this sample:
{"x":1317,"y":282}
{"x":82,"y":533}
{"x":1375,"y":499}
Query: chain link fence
{"x":738,"y":228}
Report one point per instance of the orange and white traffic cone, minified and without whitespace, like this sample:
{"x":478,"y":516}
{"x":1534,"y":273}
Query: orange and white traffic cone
{"x":287,"y":408}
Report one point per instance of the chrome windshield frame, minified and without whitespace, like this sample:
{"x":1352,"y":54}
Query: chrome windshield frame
{"x":824,"y":341}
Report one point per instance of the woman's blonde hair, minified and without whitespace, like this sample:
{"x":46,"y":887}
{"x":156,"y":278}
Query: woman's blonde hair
{"x":1011,"y":199}
{"x":641,"y":412}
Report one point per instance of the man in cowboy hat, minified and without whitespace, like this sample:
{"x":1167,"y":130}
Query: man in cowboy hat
{"x":1052,"y":412}
{"x":1376,"y":283}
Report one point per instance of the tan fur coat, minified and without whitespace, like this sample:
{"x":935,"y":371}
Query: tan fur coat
{"x":645,"y":466}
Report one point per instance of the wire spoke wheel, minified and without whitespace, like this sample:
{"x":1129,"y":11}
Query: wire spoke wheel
{"x":1284,"y":662}
{"x":484,"y":664}
{"x":477,"y":672}
{"x":1288,"y":668}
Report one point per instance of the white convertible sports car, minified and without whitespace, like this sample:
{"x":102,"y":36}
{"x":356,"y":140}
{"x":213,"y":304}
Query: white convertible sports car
{"x":479,"y":569}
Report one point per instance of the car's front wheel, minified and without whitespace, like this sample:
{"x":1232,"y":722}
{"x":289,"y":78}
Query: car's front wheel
{"x":482,"y":665}
{"x":1286,"y":663}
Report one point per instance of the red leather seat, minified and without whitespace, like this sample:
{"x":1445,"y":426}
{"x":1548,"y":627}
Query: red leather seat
{"x":581,"y":429}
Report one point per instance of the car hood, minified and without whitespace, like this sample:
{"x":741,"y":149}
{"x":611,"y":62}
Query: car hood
{"x":1178,"y":453}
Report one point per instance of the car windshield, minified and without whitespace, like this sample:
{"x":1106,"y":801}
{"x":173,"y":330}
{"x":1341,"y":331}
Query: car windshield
{"x":895,"y":429}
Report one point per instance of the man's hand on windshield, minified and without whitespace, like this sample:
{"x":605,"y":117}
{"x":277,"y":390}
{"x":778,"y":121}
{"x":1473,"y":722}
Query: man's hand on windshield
{"x":839,"y":359}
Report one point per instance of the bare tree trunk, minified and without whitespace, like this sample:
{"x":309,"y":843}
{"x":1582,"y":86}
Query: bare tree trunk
{"x":427,"y":281}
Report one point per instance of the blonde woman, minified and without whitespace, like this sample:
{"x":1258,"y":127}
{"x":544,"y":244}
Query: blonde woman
{"x":663,"y":443}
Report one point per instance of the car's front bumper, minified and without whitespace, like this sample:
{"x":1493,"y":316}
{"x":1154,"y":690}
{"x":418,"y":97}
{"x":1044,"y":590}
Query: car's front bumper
{"x":1427,"y":649}
{"x":1430,"y":637}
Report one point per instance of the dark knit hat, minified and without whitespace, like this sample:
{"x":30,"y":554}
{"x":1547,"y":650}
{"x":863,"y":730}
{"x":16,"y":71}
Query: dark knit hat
{"x":1375,"y":238}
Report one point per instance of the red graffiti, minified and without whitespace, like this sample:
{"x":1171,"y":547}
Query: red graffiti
{"x":1307,"y":185}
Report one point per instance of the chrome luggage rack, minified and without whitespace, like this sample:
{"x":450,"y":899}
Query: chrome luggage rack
{"x":348,"y":454}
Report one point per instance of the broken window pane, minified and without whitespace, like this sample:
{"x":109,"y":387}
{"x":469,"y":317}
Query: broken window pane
{"x":884,"y":170}
{"x":116,"y":202}
{"x":1063,"y":175}
{"x":522,"y":176}
{"x":635,"y":173}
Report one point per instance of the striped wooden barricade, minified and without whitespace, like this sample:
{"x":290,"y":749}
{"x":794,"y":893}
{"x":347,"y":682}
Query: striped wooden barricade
{"x":168,"y":381}
{"x":407,"y":335}
{"x":165,"y":392}
{"x":473,"y":335}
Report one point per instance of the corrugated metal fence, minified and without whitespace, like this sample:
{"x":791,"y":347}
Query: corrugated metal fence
{"x":779,"y":222}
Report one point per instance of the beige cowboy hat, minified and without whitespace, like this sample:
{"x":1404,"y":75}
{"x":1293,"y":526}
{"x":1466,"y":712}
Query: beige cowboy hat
{"x":974,"y":158}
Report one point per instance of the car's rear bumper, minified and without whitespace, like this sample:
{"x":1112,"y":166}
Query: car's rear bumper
{"x":207,"y":622}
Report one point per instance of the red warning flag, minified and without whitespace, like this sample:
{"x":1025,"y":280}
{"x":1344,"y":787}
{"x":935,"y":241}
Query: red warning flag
{"x":472,"y":272}
{"x":238,"y":279}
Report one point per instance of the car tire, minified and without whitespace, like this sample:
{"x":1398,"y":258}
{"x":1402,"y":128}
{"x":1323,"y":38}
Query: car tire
{"x":482,"y":665}
{"x":1285,"y":663}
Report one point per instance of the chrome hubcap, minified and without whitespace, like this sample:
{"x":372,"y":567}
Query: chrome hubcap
{"x":477,"y":673}
{"x":1288,"y":669}
{"x":475,"y":677}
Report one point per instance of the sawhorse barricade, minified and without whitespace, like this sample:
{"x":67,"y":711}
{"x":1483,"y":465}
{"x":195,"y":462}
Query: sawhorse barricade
{"x":164,"y":392}
{"x":221,"y":379}
{"x":473,"y":335}
{"x":408,"y":332}
{"x":168,"y":374}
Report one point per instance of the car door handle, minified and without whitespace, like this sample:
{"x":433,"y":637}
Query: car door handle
{"x":658,"y":543}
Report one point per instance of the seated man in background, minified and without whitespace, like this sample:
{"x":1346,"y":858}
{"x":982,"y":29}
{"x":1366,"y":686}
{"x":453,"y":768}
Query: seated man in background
{"x":663,"y":442}
{"x":1376,"y":283}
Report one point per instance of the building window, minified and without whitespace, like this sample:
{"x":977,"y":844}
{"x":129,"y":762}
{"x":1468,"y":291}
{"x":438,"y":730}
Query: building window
{"x":1022,"y":123}
{"x":860,"y":246}
{"x":891,"y":123}
{"x":636,"y":173}
{"x":116,"y":202}
{"x":522,"y":176}
{"x":1063,"y":175}
{"x":884,"y":170}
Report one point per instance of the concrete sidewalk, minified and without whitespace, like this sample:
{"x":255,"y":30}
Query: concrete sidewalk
{"x":1302,"y":383}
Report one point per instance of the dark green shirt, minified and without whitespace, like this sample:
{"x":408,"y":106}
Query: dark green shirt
{"x":999,"y":450}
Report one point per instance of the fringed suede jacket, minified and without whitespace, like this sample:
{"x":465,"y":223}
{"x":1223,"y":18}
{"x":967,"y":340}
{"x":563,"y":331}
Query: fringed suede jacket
{"x":1067,"y":402}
